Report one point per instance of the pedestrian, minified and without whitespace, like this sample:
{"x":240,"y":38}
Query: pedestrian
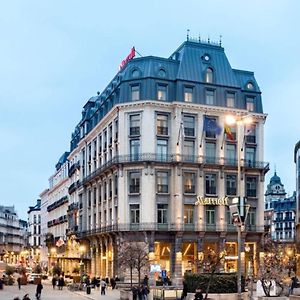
{"x":294,"y":283}
{"x":61,"y":282}
{"x":19,"y":282}
{"x":112,"y":283}
{"x":39,"y":288}
{"x":184,"y":291}
{"x":198,"y":295}
{"x":146,"y":280}
{"x":103,"y":286}
{"x":140,"y":293}
{"x":134,"y":293}
{"x":145,"y":292}
{"x":53,"y":282}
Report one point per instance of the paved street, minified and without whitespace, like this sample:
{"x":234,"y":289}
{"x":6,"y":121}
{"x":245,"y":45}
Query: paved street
{"x":9,"y":292}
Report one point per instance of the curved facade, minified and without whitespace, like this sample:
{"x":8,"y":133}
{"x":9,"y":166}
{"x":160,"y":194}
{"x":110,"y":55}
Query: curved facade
{"x":152,"y":161}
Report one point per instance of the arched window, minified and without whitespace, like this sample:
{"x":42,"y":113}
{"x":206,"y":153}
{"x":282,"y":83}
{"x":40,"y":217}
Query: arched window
{"x":135,"y":73}
{"x":209,"y":75}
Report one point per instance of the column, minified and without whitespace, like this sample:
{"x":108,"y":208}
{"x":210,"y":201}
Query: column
{"x":200,"y":253}
{"x":177,"y":277}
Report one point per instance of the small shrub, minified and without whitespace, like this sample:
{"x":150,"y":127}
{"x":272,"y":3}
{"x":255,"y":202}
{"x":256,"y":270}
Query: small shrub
{"x":220,"y":284}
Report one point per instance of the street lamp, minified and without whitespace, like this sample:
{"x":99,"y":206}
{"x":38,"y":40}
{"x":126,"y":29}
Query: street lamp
{"x":238,"y":209}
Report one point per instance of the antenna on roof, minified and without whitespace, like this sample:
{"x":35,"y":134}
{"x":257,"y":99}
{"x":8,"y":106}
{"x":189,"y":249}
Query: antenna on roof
{"x":220,"y":42}
{"x":199,"y":38}
{"x":187,"y":34}
{"x":208,"y":40}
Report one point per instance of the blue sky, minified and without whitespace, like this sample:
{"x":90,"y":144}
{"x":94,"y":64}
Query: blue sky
{"x":55,"y":55}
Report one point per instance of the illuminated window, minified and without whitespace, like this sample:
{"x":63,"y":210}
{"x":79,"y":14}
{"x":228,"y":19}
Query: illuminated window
{"x":250,"y":103}
{"x":161,"y":92}
{"x":162,"y":182}
{"x":162,"y":124}
{"x":189,"y":214}
{"x":188,"y":94}
{"x":189,"y":183}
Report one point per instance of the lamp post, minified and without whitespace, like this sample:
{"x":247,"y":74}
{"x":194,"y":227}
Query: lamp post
{"x":237,"y":208}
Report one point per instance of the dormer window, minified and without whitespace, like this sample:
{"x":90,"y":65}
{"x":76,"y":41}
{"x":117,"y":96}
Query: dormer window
{"x":209,"y":75}
{"x":162,"y":92}
{"x":162,"y":73}
{"x":135,"y":73}
{"x":250,"y":86}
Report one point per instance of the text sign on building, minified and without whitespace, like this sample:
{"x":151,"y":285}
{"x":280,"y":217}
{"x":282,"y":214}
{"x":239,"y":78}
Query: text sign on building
{"x":211,"y":201}
{"x":130,"y":56}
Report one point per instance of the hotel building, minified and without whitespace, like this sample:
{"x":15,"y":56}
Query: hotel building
{"x":150,"y":163}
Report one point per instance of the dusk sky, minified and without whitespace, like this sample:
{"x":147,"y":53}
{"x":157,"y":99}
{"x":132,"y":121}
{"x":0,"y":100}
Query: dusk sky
{"x":55,"y":55}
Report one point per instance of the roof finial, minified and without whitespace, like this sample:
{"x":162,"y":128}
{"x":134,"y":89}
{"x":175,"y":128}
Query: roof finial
{"x":275,"y":169}
{"x":208,"y":40}
{"x":220,"y":42}
{"x":187,"y":34}
{"x":199,"y":38}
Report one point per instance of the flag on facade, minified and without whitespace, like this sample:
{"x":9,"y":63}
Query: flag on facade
{"x":211,"y":125}
{"x":228,"y":132}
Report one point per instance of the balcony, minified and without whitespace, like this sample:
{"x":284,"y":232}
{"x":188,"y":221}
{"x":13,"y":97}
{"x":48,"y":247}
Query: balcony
{"x":73,"y":168}
{"x":58,"y":203}
{"x":168,"y":227}
{"x":205,"y":161}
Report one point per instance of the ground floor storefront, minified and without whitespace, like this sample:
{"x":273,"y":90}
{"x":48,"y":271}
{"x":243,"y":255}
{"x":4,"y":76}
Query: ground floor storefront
{"x":172,"y":254}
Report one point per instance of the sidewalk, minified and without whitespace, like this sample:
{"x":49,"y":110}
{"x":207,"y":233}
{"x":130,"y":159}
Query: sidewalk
{"x":96,"y":294}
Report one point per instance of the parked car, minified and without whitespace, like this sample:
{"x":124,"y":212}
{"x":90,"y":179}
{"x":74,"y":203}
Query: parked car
{"x":32,"y":277}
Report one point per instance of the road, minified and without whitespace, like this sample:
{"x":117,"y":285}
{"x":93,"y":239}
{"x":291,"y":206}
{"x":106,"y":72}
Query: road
{"x":10,"y":292}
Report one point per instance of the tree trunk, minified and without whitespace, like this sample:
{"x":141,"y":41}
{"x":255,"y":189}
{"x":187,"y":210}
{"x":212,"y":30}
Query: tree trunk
{"x":209,"y":282}
{"x":131,"y":277}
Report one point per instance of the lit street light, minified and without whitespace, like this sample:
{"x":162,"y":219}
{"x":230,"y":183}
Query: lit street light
{"x":238,"y":208}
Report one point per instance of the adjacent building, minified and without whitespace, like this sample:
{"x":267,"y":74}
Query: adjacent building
{"x":34,"y":232}
{"x":13,"y":237}
{"x":155,"y":160}
{"x":280,"y":211}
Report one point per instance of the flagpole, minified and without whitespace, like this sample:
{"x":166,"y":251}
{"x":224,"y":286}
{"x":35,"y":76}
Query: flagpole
{"x":202,"y":130}
{"x":222,"y":146}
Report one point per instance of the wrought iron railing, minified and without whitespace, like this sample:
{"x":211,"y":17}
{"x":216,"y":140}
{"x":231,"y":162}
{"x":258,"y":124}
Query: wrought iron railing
{"x":169,"y":227}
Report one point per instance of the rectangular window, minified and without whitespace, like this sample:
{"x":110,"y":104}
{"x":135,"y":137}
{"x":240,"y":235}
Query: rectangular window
{"x":189,"y":150}
{"x":162,"y":182}
{"x":188,"y":214}
{"x":250,"y":133}
{"x":134,"y":182}
{"x":134,"y":213}
{"x":116,"y":184}
{"x":210,"y":97}
{"x":161,"y":124}
{"x":188,"y":94}
{"x":230,"y":154}
{"x":251,"y":218}
{"x":210,"y":215}
{"x":210,"y":152}
{"x":162,"y":92}
{"x":230,"y":99}
{"x":210,"y":184}
{"x":134,"y":149}
{"x":135,"y":123}
{"x":189,"y":183}
{"x":162,"y":149}
{"x":251,"y":186}
{"x":231,"y":185}
{"x":250,"y":153}
{"x":135,"y":92}
{"x":162,"y":213}
{"x":250,"y":103}
{"x":212,"y":128}
{"x":189,"y":126}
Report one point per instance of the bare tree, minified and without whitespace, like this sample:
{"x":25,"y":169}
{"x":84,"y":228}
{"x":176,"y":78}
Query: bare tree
{"x":133,"y":256}
{"x":274,"y":267}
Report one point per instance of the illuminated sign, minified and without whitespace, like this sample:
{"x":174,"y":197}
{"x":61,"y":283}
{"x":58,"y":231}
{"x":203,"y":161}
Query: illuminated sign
{"x":211,"y":201}
{"x":130,"y":56}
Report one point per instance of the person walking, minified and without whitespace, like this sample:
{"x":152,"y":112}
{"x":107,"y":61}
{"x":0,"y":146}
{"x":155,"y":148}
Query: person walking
{"x":19,"y":282}
{"x":198,"y":295}
{"x":61,"y":282}
{"x":53,"y":282}
{"x":39,"y":288}
{"x":184,"y":291}
{"x":103,"y":286}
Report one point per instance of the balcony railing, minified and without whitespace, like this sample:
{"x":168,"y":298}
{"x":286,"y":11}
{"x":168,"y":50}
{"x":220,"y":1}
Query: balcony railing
{"x":173,"y":158}
{"x":168,"y":227}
